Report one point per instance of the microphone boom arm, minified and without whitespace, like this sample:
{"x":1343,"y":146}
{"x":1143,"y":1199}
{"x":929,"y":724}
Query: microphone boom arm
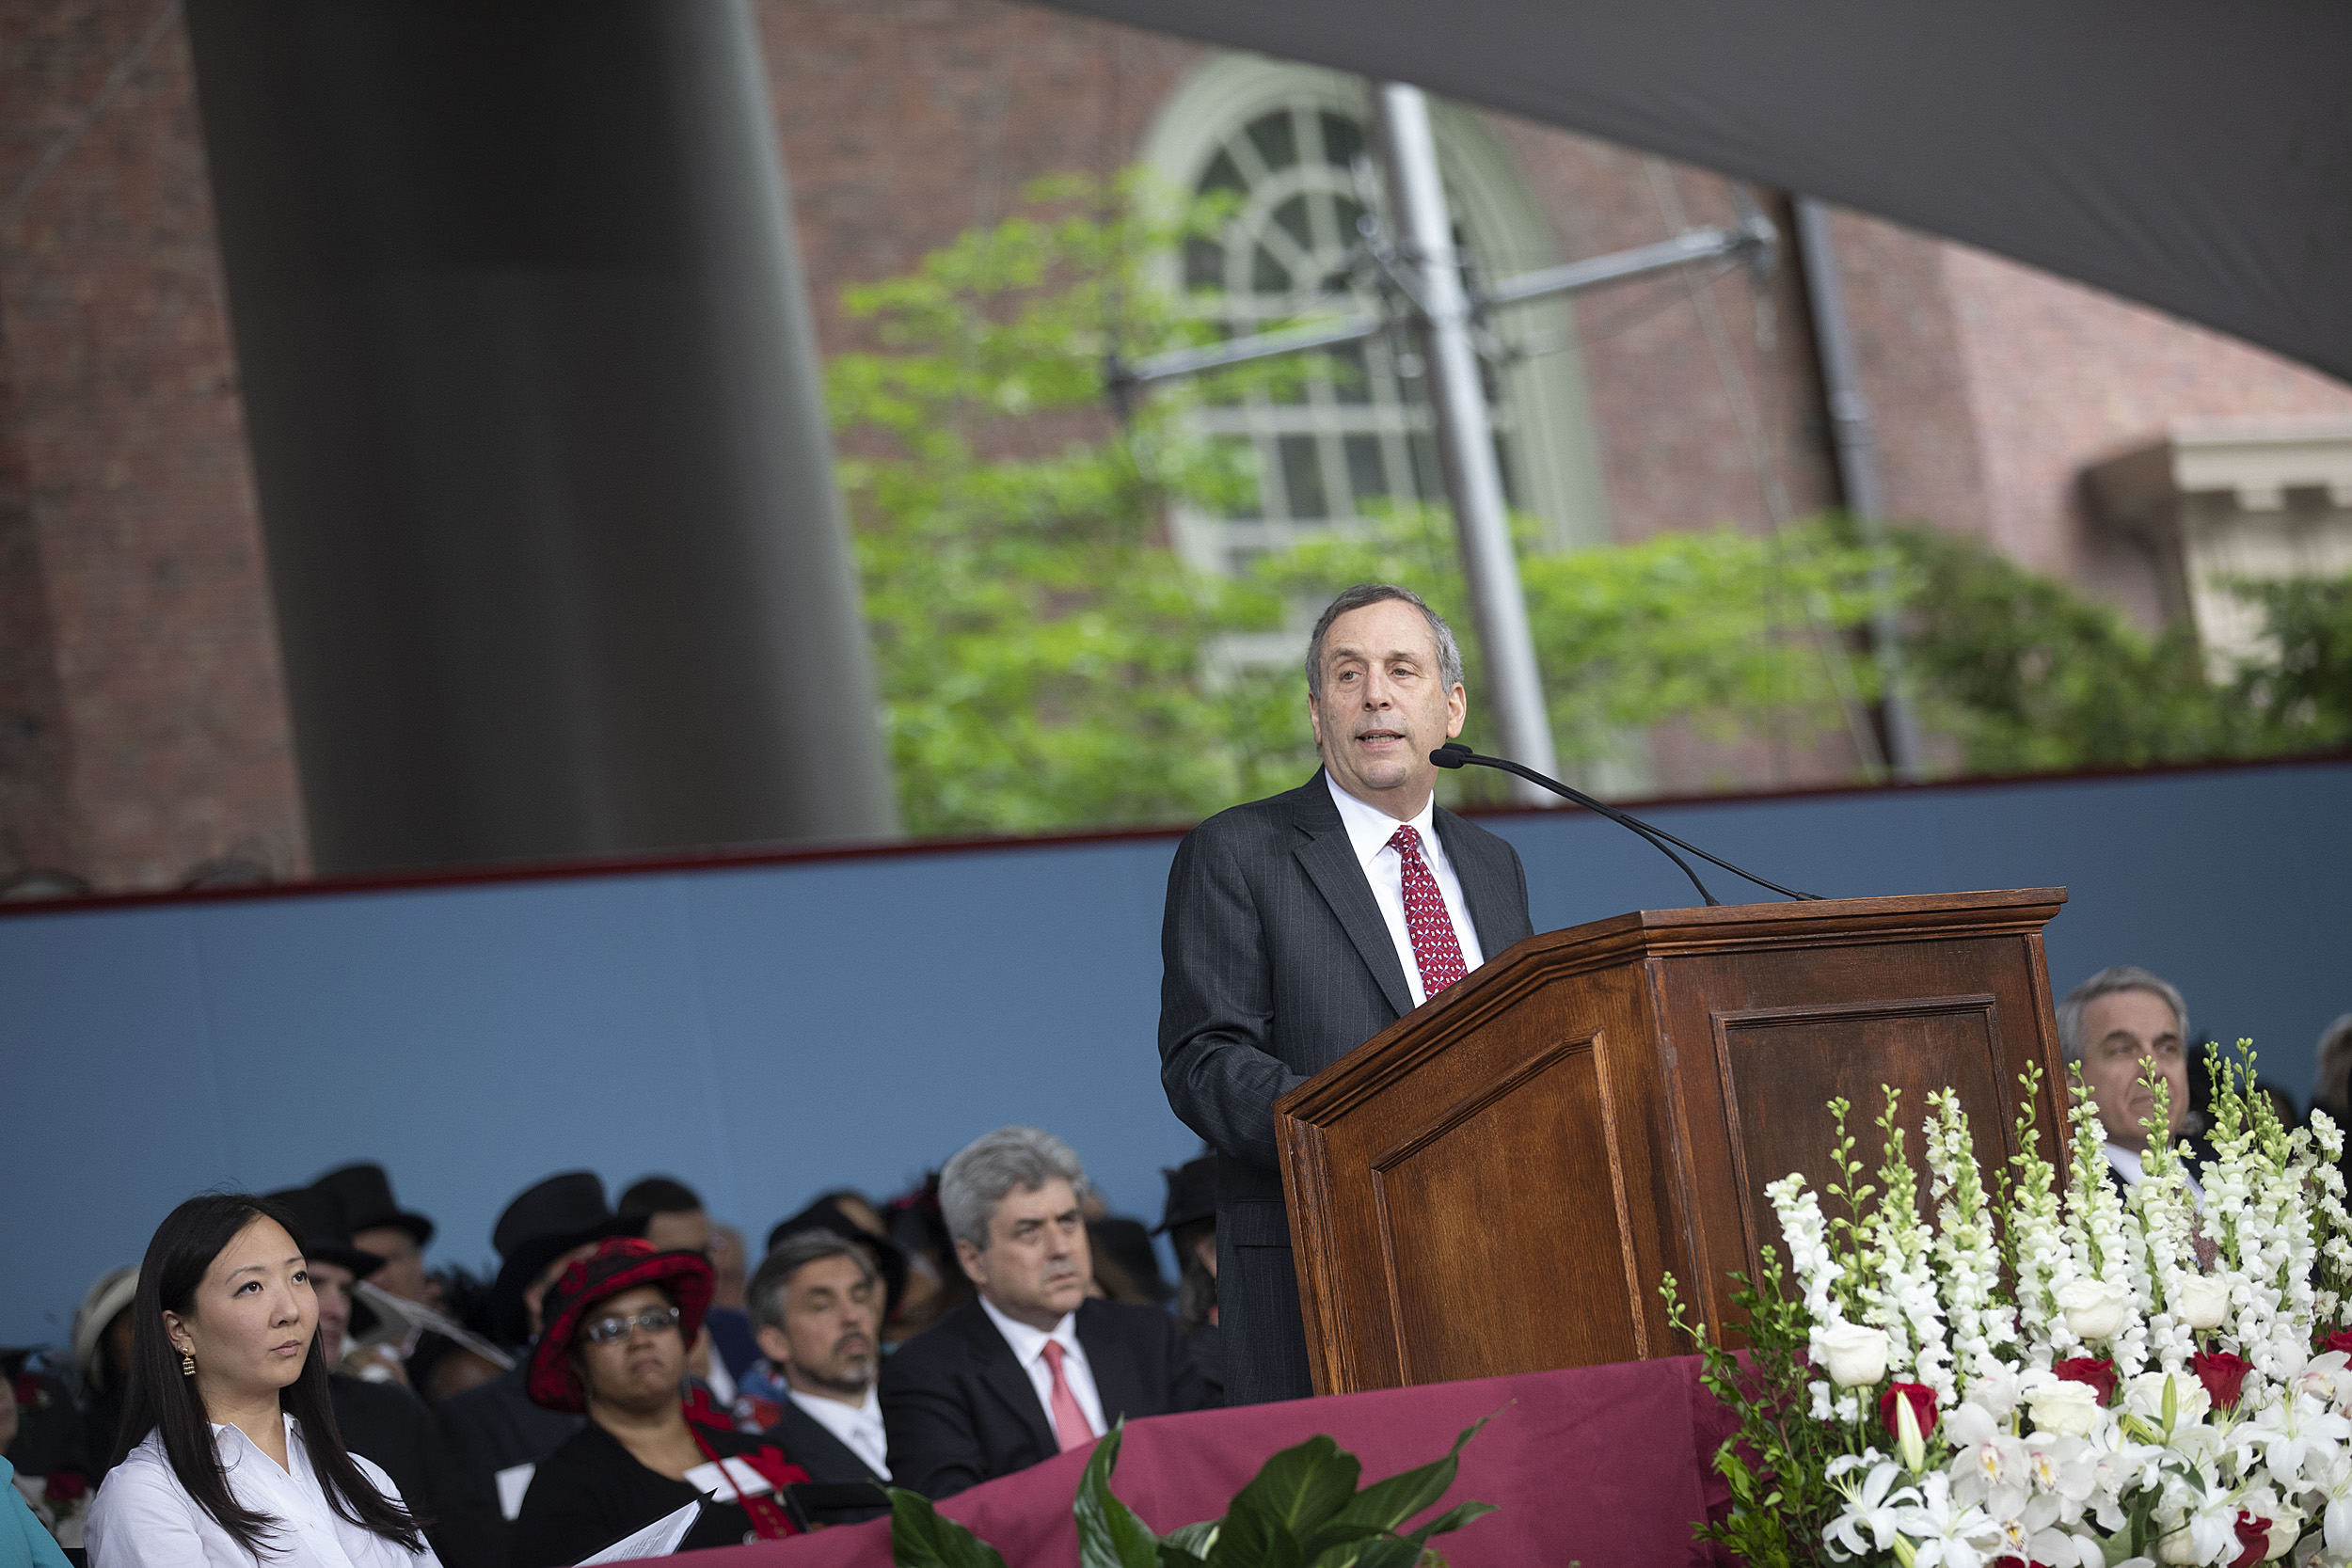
{"x":1454,"y":754}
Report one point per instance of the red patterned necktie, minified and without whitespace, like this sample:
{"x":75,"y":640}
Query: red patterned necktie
{"x":1437,"y":951}
{"x":1071,"y":1428}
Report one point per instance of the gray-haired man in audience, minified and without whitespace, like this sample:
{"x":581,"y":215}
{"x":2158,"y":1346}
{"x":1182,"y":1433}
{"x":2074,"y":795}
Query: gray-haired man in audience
{"x":2125,"y":1025}
{"x":1034,"y":1367}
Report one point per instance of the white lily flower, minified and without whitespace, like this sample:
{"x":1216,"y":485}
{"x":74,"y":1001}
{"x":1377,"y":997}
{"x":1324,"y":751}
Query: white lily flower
{"x":1945,"y":1534}
{"x":1873,"y":1508}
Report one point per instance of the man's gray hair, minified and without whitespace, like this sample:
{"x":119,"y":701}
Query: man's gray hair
{"x":764,"y":1295}
{"x":984,"y":1170}
{"x":2106,"y":983}
{"x":1449,"y":651}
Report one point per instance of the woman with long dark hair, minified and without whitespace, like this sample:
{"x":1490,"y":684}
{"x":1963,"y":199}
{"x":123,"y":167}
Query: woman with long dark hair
{"x":228,"y":1453}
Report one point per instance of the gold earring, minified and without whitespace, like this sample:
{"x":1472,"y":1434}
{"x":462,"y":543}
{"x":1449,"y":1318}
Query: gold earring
{"x":188,"y":1363}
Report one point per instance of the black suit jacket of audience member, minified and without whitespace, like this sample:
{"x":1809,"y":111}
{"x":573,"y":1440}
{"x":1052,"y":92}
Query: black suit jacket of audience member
{"x":390,"y":1425}
{"x":488,"y":1429}
{"x":2200,"y":1155}
{"x":1277,"y":962}
{"x":961,"y":1410}
{"x":811,"y":1445}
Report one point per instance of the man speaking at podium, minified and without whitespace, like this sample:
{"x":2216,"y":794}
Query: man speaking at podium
{"x":1299,"y":927}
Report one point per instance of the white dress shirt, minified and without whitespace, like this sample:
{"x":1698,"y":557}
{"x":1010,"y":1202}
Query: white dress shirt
{"x":2127,"y":1165}
{"x":143,"y":1518}
{"x":1369,"y":830}
{"x":1028,"y":1348}
{"x":858,"y":1426}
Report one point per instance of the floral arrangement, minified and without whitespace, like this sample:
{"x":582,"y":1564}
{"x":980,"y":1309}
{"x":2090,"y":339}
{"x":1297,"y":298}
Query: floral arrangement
{"x":2047,"y":1373}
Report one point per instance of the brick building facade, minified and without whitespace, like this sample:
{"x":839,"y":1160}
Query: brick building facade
{"x":143,"y":728}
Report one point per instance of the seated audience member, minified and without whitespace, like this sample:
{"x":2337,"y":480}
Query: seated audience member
{"x":494,"y":1433}
{"x":442,"y":1367}
{"x":675,"y":1221}
{"x":728,"y":1268}
{"x":618,"y":1324}
{"x":24,"y":1539}
{"x":950,"y":1397}
{"x":1126,"y":1264}
{"x":382,"y":1421}
{"x":2333,"y":1073}
{"x":379,"y":1225}
{"x":1190,"y":1222}
{"x":2119,"y":1024}
{"x":43,"y":1438}
{"x":935,"y":1283}
{"x":816,"y":1307}
{"x":232,"y":1453}
{"x":102,"y":1359}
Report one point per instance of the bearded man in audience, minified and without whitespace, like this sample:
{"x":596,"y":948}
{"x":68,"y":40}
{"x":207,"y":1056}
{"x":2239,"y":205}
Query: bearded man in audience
{"x":816,"y":1305}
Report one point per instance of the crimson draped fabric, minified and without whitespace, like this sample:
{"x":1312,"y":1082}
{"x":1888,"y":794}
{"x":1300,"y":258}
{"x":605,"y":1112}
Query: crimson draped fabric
{"x":1608,"y":1466}
{"x":2192,"y":154}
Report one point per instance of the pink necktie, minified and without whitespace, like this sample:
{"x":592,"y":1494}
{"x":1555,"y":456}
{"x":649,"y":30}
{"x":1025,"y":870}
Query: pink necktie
{"x":1069,"y":1422}
{"x":1437,"y":950}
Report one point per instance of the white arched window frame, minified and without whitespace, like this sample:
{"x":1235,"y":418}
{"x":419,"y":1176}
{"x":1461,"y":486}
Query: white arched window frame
{"x":1281,"y":137}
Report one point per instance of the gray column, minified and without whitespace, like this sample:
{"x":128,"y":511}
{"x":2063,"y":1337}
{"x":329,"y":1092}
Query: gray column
{"x":531,"y":387}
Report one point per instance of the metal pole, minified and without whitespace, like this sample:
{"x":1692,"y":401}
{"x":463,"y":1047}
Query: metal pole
{"x":1473,"y":478}
{"x":1857,"y":475}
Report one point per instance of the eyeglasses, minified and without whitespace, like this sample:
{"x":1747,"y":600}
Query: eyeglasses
{"x":606,"y":1330}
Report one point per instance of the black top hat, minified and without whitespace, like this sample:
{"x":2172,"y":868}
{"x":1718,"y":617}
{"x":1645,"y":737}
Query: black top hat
{"x":320,"y":1231}
{"x":366,"y":1195}
{"x":888,"y":1256}
{"x":546,"y":1221}
{"x":1191,"y":1193}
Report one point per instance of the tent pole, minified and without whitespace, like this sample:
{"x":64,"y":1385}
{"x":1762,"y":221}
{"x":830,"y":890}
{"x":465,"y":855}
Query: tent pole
{"x":1473,"y":476}
{"x":1857,"y":475}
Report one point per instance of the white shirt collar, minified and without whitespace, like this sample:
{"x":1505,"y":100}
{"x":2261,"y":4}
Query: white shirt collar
{"x":1029,"y":1343}
{"x":1369,"y":828}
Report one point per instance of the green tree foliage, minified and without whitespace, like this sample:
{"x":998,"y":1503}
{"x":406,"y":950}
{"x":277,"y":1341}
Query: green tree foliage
{"x":1042,"y":652}
{"x":1047,"y":661}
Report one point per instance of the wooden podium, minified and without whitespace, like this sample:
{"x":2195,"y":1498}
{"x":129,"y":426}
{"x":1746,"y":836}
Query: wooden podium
{"x":1495,"y":1183}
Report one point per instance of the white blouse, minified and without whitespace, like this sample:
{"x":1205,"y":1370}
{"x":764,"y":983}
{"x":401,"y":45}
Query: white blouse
{"x":142,"y":1518}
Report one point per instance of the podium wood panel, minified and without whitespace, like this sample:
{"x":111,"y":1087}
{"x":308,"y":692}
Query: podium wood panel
{"x":1494,"y":1184}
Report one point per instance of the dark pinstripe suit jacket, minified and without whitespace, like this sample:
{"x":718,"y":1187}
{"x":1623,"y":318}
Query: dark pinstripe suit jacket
{"x":1277,"y":963}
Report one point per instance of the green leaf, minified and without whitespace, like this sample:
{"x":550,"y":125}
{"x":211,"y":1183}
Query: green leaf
{"x":1389,"y":1503}
{"x":1299,"y":1488}
{"x":1453,"y":1519}
{"x":1196,"y":1539}
{"x":1109,"y":1534}
{"x":922,"y":1537}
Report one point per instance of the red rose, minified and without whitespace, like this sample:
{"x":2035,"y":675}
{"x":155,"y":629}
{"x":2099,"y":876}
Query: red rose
{"x":2222,"y":1373}
{"x":2096,"y":1371}
{"x":1922,"y":1400}
{"x":66,"y":1486}
{"x":2340,"y":1339}
{"x":2252,"y":1533}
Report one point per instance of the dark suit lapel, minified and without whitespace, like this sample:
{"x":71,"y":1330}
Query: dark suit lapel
{"x":812,"y":1444}
{"x":1484,"y":888}
{"x":1329,"y":860}
{"x":1001,"y":1371}
{"x":1117,"y":1381}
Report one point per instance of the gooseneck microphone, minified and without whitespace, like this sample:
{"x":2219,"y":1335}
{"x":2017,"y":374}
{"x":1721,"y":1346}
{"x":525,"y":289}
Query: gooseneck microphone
{"x":1454,"y":754}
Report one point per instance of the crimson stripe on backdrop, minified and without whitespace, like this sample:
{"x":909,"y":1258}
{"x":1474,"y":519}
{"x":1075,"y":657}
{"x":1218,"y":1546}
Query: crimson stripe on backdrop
{"x":1607,"y":1465}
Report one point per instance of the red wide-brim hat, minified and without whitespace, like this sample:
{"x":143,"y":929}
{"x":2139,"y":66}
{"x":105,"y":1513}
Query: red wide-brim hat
{"x":620,"y":1264}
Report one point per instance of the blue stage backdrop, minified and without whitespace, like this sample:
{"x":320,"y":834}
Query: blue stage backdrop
{"x":766,"y":1031}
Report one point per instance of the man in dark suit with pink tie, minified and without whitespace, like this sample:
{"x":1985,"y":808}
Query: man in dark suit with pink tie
{"x":1301,"y":925}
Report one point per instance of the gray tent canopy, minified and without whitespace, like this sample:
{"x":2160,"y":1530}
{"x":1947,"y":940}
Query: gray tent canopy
{"x":2192,"y":154}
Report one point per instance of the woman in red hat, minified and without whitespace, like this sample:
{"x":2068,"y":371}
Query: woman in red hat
{"x":618,"y":1326}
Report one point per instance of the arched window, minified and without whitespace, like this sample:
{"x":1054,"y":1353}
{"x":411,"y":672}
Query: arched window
{"x":1282,"y":139}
